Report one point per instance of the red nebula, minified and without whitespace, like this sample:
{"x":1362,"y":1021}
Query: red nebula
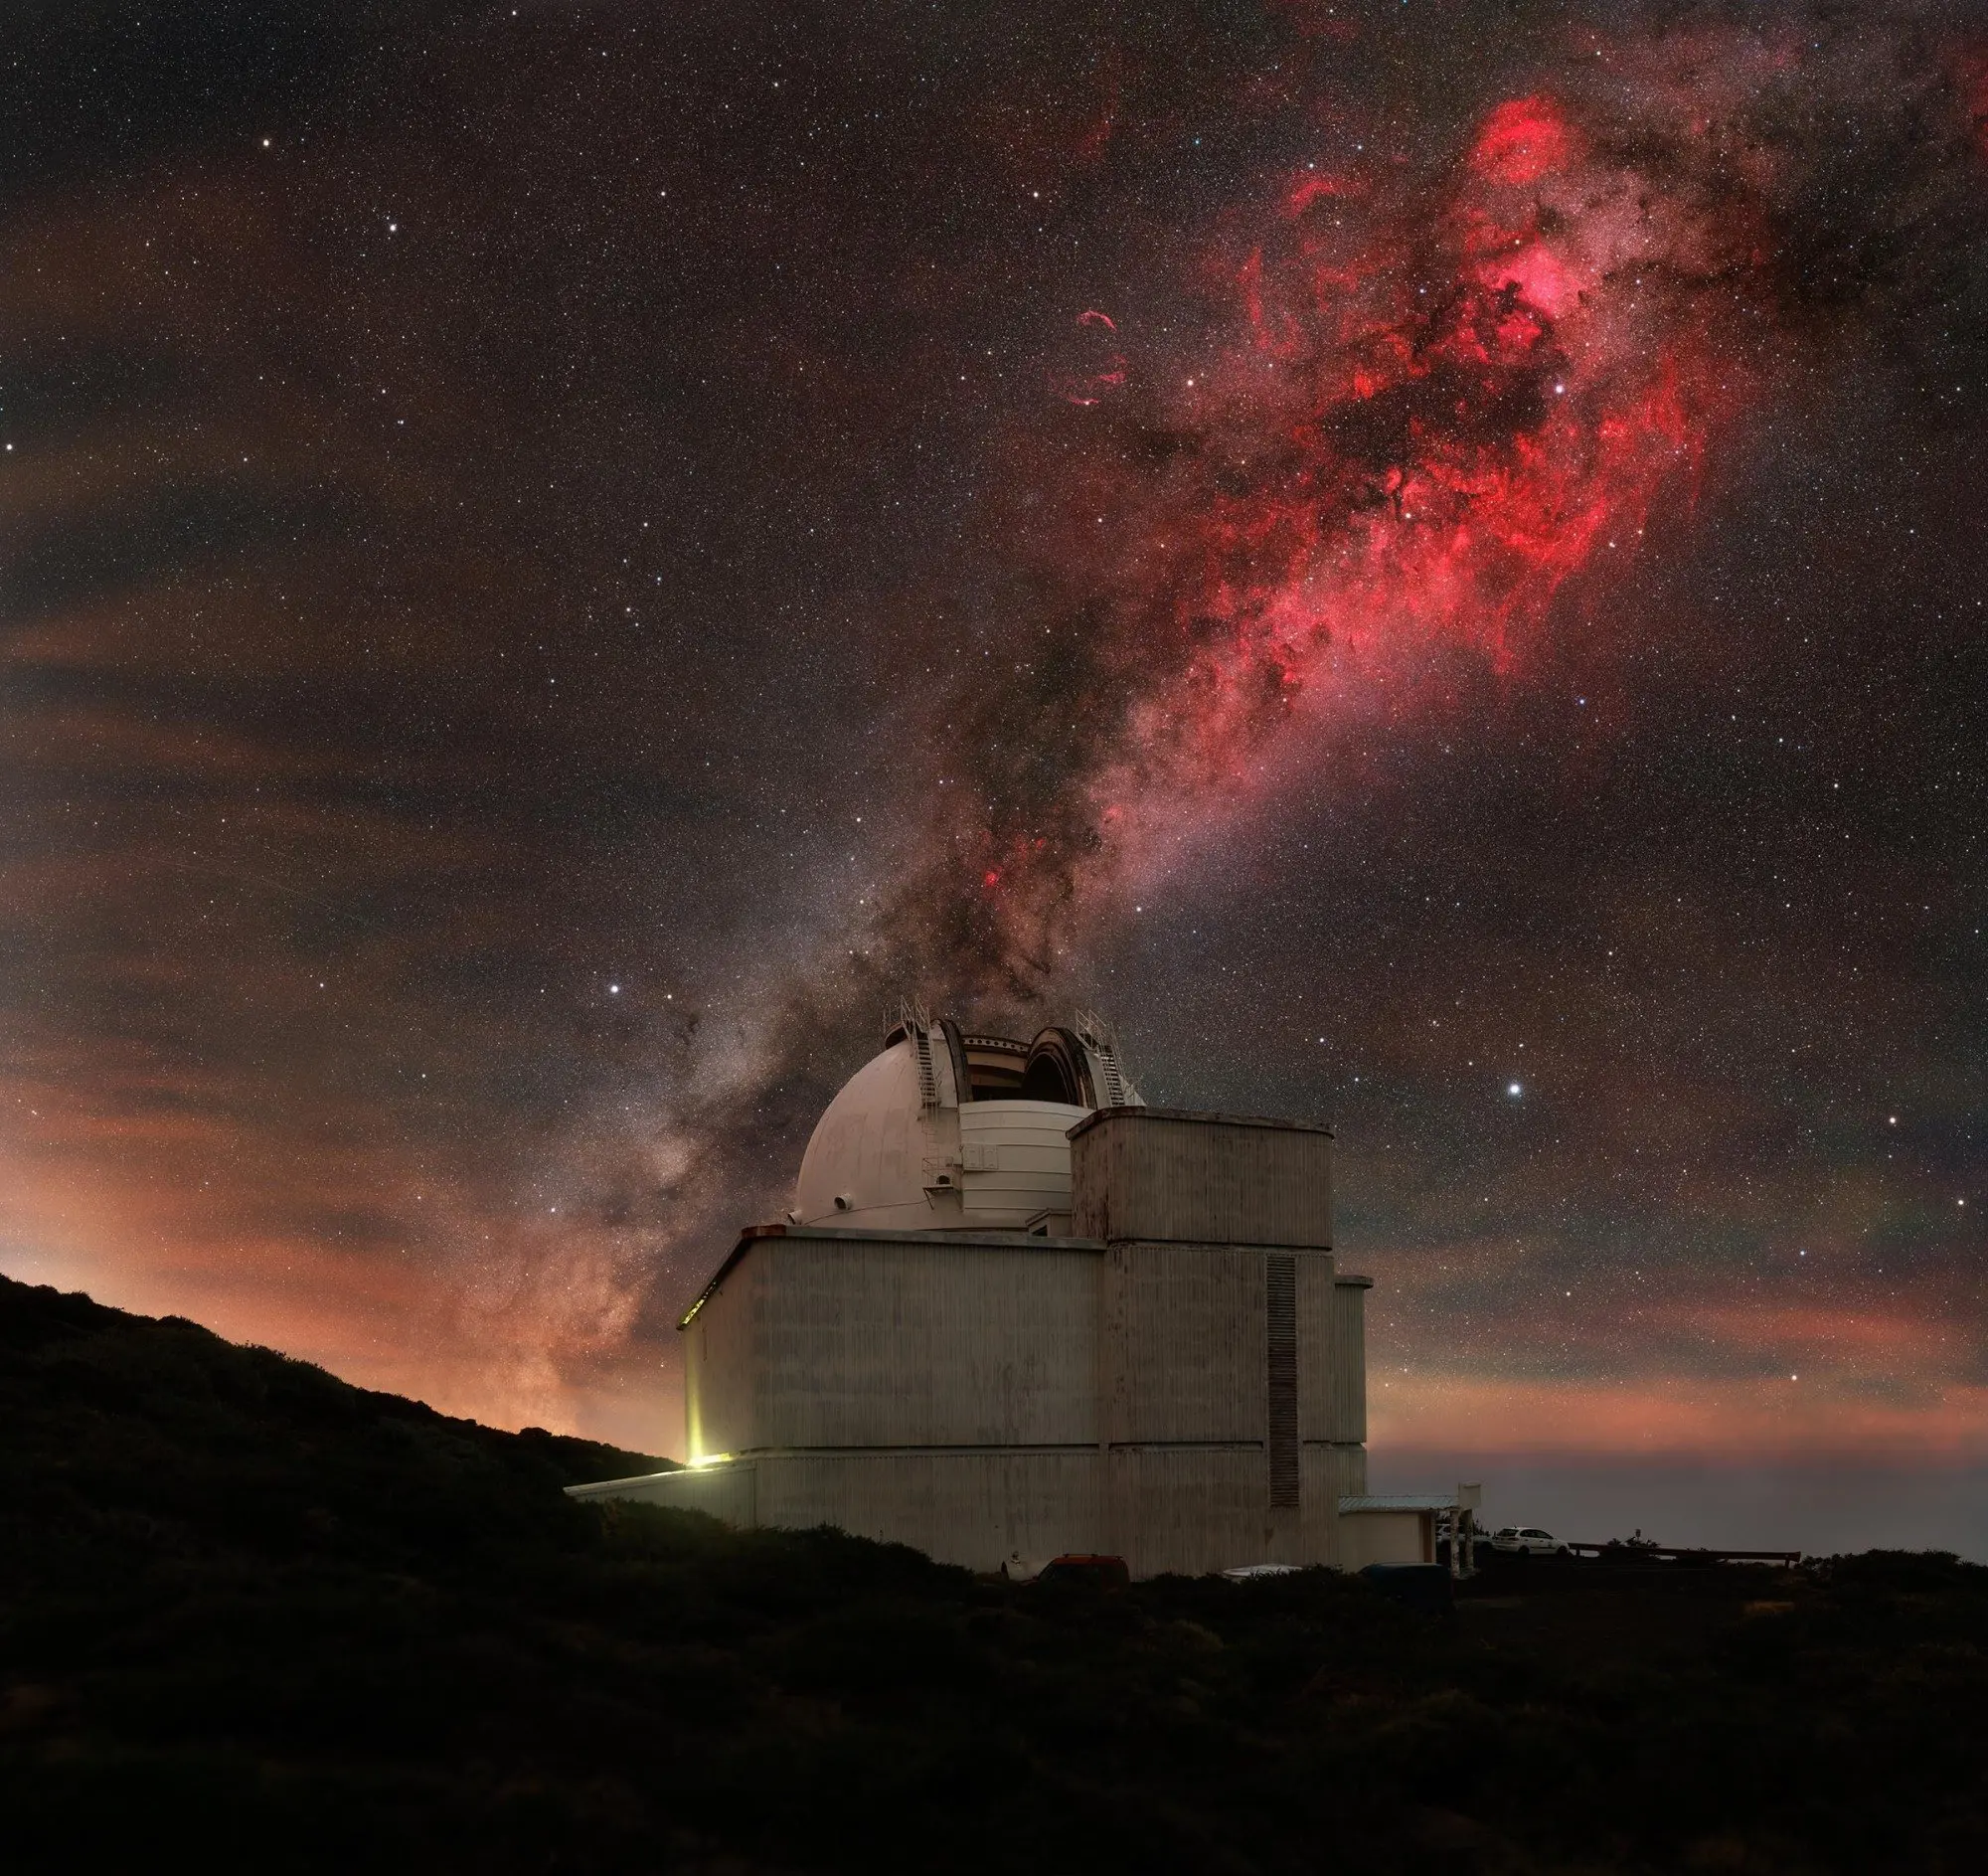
{"x":1433,"y":409}
{"x":1312,"y":185}
{"x":1522,"y":140}
{"x":1424,"y":397}
{"x":1422,"y":433}
{"x":1974,"y":76}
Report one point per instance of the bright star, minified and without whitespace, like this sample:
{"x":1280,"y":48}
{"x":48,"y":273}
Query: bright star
{"x":1514,"y":1089}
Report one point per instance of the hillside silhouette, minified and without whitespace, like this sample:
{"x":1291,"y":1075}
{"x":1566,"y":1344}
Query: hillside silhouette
{"x":252,"y":1616}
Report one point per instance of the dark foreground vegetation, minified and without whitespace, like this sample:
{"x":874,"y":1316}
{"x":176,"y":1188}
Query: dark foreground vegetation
{"x":252,"y":1617}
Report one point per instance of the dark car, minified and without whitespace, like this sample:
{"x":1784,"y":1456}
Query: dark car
{"x":1103,"y":1573}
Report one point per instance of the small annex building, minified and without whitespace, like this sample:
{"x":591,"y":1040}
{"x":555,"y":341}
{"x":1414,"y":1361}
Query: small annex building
{"x":1014,"y":1312}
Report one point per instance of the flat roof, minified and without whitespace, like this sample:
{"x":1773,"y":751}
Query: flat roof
{"x":1022,"y":1240}
{"x":606,"y":1487}
{"x":1103,"y":1114}
{"x":984,"y":1239}
{"x":1401,"y":1501}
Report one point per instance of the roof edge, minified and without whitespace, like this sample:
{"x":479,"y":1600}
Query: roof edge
{"x":956,"y":1240}
{"x":1357,"y":1503}
{"x":1205,"y":1117}
{"x":746,"y":1239}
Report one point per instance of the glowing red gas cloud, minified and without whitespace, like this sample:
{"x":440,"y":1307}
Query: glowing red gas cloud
{"x":1427,"y":408}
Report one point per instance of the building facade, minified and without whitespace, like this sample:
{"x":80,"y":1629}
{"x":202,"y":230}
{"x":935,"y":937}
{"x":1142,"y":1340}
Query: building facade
{"x":1017,"y":1314}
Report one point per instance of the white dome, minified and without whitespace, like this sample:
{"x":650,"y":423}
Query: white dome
{"x":897,"y":1150}
{"x":865,"y":1161}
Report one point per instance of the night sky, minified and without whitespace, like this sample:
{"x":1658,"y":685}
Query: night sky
{"x":1428,"y":561}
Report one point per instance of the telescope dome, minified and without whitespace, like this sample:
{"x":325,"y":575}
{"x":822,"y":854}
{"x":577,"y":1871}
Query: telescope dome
{"x":951,"y":1130}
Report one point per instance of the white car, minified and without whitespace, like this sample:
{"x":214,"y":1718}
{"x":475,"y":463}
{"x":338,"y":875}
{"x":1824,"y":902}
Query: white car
{"x":1527,"y":1540}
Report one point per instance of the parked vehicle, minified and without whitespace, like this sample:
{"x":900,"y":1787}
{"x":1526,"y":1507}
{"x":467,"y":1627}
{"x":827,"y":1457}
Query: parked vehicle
{"x":1528,"y":1540}
{"x":1100,"y":1572}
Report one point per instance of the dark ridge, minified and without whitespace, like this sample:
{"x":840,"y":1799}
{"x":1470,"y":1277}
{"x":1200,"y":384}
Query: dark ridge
{"x":254,"y":1618}
{"x":108,"y":1415}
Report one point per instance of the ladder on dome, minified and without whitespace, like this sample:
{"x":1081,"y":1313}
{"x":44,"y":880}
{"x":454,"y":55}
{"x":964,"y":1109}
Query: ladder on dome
{"x":1092,"y":1036}
{"x":918,"y":1026}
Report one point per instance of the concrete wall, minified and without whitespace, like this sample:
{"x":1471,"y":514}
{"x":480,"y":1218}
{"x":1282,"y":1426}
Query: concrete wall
{"x":980,"y":1397}
{"x":1330,"y":1472}
{"x":972,"y":1508}
{"x":722,"y":1364}
{"x":1368,"y":1537}
{"x":1192,"y":1509}
{"x":1185,"y":1343}
{"x":1318,"y":1353}
{"x":1182,"y":1509}
{"x":1161,"y":1175}
{"x":822,"y":1339}
{"x":1346,"y":1387}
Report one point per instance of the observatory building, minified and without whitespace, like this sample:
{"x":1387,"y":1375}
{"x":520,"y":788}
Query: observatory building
{"x":1015,"y":1311}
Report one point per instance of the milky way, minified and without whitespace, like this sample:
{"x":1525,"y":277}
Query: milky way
{"x":1426,"y":400}
{"x":559,"y":564}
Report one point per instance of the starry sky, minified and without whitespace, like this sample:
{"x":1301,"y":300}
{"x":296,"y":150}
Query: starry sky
{"x":1427,"y":563}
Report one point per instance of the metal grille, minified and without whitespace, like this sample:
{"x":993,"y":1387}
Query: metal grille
{"x":1280,"y":1298}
